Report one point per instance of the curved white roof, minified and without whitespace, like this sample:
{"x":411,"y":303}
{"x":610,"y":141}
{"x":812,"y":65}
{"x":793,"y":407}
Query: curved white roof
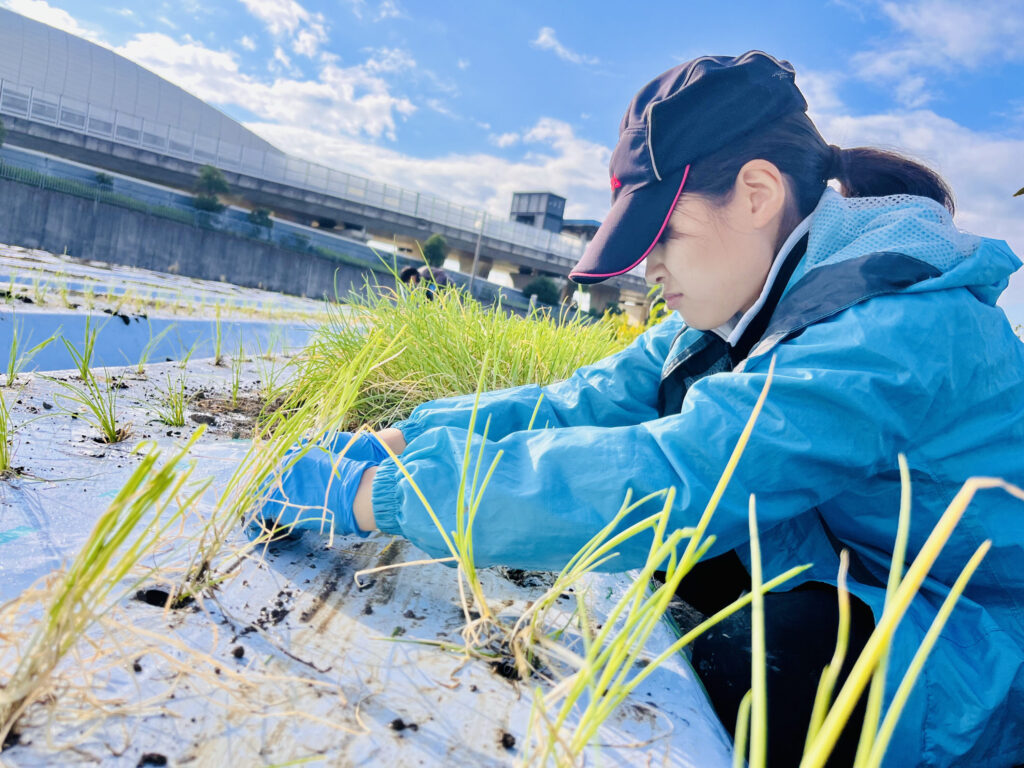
{"x":73,"y":70}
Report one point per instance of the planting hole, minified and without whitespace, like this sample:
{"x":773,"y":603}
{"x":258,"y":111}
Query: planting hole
{"x":159,"y":598}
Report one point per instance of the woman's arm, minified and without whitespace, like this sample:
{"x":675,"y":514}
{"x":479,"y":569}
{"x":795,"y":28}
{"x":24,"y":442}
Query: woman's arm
{"x":829,"y":422}
{"x":620,"y":389}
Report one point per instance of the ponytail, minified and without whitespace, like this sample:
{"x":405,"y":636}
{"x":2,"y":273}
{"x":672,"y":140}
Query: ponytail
{"x":871,"y":172}
{"x":792,"y":143}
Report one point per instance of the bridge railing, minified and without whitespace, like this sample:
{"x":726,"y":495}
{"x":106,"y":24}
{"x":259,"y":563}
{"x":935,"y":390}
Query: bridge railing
{"x":74,"y":114}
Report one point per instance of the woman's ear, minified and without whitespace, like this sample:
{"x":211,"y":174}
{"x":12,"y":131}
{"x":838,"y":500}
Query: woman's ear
{"x":760,"y":193}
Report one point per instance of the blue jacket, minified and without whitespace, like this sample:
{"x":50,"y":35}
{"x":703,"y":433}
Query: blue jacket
{"x":887,"y":340}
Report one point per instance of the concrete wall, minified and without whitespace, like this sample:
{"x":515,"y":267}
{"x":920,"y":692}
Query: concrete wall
{"x":54,"y":221}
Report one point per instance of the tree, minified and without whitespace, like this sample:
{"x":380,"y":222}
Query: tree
{"x":104,"y":180}
{"x":544,"y":288}
{"x":211,"y":182}
{"x":435,"y":249}
{"x":261,"y":218}
{"x":3,"y":133}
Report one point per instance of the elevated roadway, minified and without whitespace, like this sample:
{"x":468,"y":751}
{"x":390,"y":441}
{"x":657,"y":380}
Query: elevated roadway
{"x":295,"y":189}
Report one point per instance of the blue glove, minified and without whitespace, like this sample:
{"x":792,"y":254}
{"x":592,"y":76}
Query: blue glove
{"x":316,"y":493}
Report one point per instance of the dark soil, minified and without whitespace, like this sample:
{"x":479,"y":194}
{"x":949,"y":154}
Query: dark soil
{"x":277,"y":612}
{"x":219,"y":413}
{"x":4,"y":294}
{"x":159,"y":598}
{"x":329,"y":587}
{"x":12,"y":739}
{"x":238,"y":652}
{"x":506,"y":667}
{"x":398,"y":724}
{"x":124,"y":318}
{"x":151,"y":758}
{"x":507,"y":740}
{"x":527,"y":579}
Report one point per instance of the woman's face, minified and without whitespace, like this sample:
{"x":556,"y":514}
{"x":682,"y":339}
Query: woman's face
{"x":713,"y":262}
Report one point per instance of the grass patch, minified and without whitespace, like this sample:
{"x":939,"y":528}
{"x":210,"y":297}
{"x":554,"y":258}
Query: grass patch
{"x":98,"y":403}
{"x":17,"y":357}
{"x":171,"y":409}
{"x":73,"y":599}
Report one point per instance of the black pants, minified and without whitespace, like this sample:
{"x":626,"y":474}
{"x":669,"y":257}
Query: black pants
{"x":800,"y":637}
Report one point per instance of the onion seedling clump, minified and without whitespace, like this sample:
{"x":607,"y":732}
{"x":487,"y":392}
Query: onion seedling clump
{"x":73,"y":599}
{"x":99,"y":404}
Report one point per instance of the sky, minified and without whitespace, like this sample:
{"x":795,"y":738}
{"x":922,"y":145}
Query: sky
{"x":475,"y":100}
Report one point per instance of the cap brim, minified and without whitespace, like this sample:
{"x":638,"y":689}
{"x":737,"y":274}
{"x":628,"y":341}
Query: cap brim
{"x":630,"y":231}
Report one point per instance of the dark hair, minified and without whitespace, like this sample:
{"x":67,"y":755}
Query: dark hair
{"x":796,"y":148}
{"x":408,"y":274}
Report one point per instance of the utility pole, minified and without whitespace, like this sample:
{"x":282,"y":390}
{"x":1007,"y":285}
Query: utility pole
{"x":476,"y":253}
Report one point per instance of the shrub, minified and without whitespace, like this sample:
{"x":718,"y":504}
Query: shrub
{"x":544,"y":288}
{"x":211,"y":182}
{"x":435,"y":249}
{"x":208,"y":203}
{"x":104,"y":180}
{"x":261,"y":218}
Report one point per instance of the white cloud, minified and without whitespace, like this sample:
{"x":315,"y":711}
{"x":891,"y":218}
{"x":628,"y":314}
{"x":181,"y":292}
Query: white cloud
{"x":42,"y":11}
{"x":281,"y":62}
{"x":286,"y":18}
{"x":562,"y":162}
{"x":941,"y":36}
{"x":462,"y":64}
{"x":309,"y":39}
{"x":820,"y":89}
{"x":504,"y":140}
{"x":441,"y":108}
{"x":389,"y":61}
{"x":248,"y":43}
{"x":546,"y":40}
{"x":944,"y":33}
{"x":982,"y":169}
{"x":353,"y":100}
{"x":357,"y":7}
{"x":388,"y":10}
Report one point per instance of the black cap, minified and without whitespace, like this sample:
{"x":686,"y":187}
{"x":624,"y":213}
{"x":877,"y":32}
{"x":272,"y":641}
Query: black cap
{"x":679,"y":117}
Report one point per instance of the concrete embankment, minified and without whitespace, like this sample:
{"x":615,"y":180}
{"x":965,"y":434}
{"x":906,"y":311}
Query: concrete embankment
{"x":88,"y":229}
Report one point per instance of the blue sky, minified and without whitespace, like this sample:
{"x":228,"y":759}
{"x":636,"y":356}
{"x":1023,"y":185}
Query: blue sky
{"x":473,"y":100}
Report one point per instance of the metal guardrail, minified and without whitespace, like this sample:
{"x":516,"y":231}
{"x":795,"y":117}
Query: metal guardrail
{"x":76,"y":115}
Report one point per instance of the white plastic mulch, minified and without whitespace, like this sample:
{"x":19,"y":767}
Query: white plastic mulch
{"x":288,"y":661}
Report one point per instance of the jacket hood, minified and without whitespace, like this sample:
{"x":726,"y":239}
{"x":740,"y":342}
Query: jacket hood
{"x":845,"y":228}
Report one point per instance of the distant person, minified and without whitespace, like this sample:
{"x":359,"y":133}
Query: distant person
{"x":410,"y":276}
{"x":434,"y":278}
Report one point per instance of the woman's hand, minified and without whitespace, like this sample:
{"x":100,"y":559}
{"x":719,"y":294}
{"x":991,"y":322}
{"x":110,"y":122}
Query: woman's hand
{"x":316,"y":492}
{"x":351,"y":489}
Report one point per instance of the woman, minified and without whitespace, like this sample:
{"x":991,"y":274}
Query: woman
{"x":881,"y":317}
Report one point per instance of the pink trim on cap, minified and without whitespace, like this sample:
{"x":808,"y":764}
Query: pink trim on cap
{"x":657,"y":237}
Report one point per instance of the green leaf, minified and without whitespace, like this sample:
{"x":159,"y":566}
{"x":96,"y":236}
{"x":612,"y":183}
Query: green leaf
{"x":1019,"y":192}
